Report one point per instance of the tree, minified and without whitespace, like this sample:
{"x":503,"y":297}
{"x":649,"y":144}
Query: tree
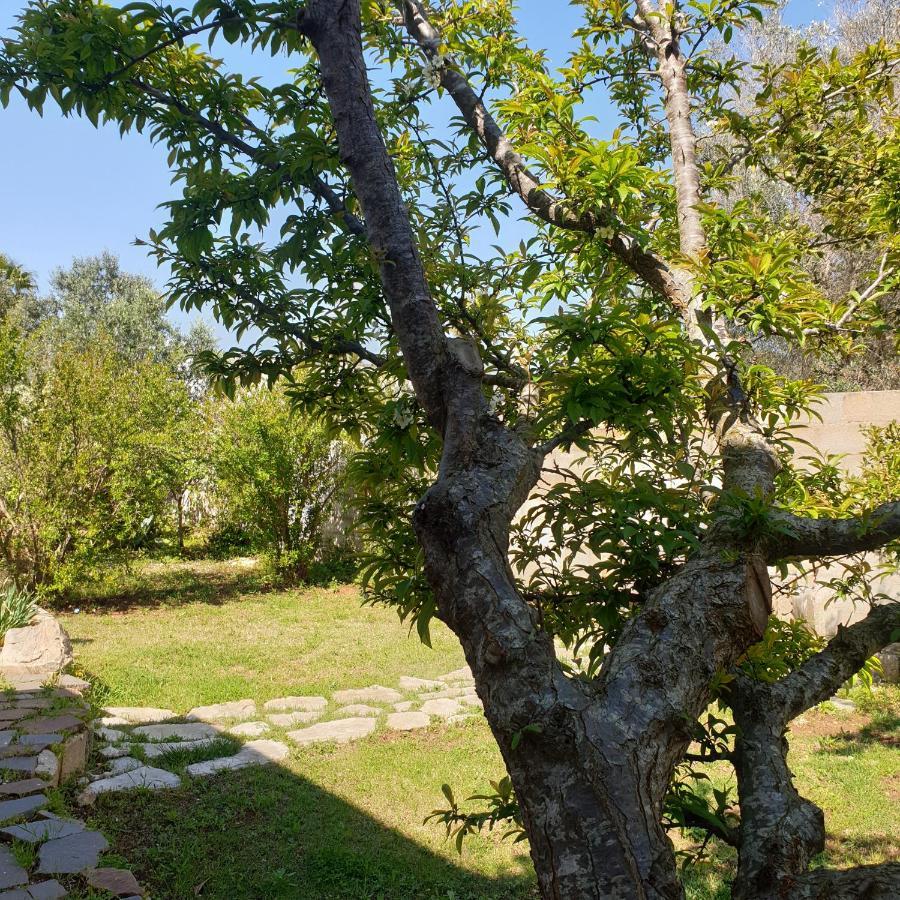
{"x":275,"y":474}
{"x":382,"y":304}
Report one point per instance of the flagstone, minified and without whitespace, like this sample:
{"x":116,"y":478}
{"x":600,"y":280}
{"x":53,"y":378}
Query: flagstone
{"x":359,"y":709}
{"x":300,"y":717}
{"x":340,"y":731}
{"x":254,"y":753}
{"x":20,"y":788}
{"x":141,"y":715}
{"x":220,"y":712}
{"x":184,"y":732}
{"x":144,"y":777}
{"x":44,"y":830}
{"x":444,"y":708}
{"x":70,"y":854}
{"x":374,"y":693}
{"x":152,"y":751}
{"x":408,"y":721}
{"x":48,"y":724}
{"x":21,"y":806}
{"x":249,"y":729}
{"x":286,"y":704}
{"x":119,"y":882}
{"x":408,"y":683}
{"x":11,"y":873}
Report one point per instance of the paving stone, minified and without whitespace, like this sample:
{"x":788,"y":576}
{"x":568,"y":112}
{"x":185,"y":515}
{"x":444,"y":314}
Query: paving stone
{"x":446,"y":692}
{"x":29,"y":702}
{"x":14,"y":714}
{"x":25,"y":681}
{"x":462,"y":717}
{"x":74,"y":755}
{"x":20,"y":788}
{"x":47,"y":890}
{"x":16,"y":894}
{"x":842,"y":704}
{"x":408,"y":683}
{"x":254,"y":753}
{"x":111,"y":735}
{"x":287,"y":704}
{"x":73,"y":682}
{"x":463,"y":674}
{"x":48,"y":724}
{"x":152,"y":751}
{"x":6,"y":737}
{"x":190,"y":732}
{"x":20,"y":764}
{"x":119,"y":882}
{"x":286,"y":720}
{"x":112,"y":722}
{"x":21,"y":806}
{"x":249,"y":729}
{"x":359,"y":709}
{"x":11,"y":873}
{"x":407,"y":721}
{"x":123,"y":764}
{"x":141,"y":715}
{"x":39,"y":741}
{"x":44,"y":830}
{"x":372,"y":694}
{"x":471,"y":700}
{"x":47,"y":767}
{"x":113,"y":752}
{"x":221,"y":712}
{"x":145,"y":777}
{"x":340,"y":731}
{"x":443,"y":708}
{"x":72,"y":853}
{"x":404,"y":706}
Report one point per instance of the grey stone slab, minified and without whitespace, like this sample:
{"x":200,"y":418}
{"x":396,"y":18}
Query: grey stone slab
{"x":16,"y":894}
{"x":47,"y":890}
{"x":340,"y":731}
{"x":300,"y":717}
{"x":254,"y":753}
{"x":359,"y":709}
{"x":113,"y":752}
{"x":39,"y":741}
{"x":20,"y":764}
{"x":49,"y":724}
{"x":454,"y":692}
{"x":154,"y":751}
{"x":110,"y":735}
{"x":144,"y":777}
{"x":373,"y":694}
{"x":249,"y":729}
{"x":444,"y":708}
{"x":119,"y":882}
{"x":14,"y":714}
{"x":404,"y":706}
{"x":43,"y":830}
{"x":223,"y":712}
{"x":22,"y":806}
{"x":20,"y":788}
{"x":463,"y":674}
{"x":11,"y":873}
{"x":182,"y":732}
{"x":123,"y":764}
{"x":141,"y":715}
{"x":408,"y":683}
{"x":6,"y":736}
{"x":72,"y":853}
{"x":288,"y":704}
{"x":407,"y":721}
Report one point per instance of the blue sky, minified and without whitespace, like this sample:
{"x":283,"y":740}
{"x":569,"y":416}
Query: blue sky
{"x":68,"y":189}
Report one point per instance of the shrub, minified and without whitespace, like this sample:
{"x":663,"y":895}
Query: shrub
{"x":17,"y":608}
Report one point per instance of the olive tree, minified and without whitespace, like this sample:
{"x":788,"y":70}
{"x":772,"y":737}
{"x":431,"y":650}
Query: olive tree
{"x":344,"y":212}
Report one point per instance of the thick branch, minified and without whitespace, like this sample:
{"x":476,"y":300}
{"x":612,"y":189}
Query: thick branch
{"x":802,"y":538}
{"x":651,"y":268}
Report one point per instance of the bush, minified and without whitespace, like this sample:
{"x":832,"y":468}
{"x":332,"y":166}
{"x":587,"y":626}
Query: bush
{"x":17,"y":607}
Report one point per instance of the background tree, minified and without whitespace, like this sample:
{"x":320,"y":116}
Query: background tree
{"x":618,"y":326}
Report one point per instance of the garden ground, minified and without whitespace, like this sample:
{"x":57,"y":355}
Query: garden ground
{"x":342,"y":822}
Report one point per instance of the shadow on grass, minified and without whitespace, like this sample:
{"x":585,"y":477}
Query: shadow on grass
{"x":267,"y":834}
{"x":170,"y":584}
{"x":883,"y":729}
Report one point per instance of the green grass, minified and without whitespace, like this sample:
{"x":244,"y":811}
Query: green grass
{"x":346,"y":822}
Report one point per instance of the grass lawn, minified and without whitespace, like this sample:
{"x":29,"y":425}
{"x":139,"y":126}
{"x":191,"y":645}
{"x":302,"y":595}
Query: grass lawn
{"x":342,"y":822}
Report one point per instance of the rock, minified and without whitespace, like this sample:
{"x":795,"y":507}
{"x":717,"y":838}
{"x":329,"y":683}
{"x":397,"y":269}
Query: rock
{"x":375,"y":693}
{"x":22,"y":681}
{"x":74,"y":756}
{"x":11,"y":873}
{"x":463,"y":674}
{"x":44,"y":830}
{"x":220,"y":712}
{"x":48,"y":724}
{"x":41,"y":648}
{"x":359,"y":709}
{"x":113,"y":752}
{"x":39,"y":741}
{"x":443,"y":708}
{"x":447,"y":692}
{"x":471,"y":700}
{"x":20,"y":788}
{"x":190,"y":732}
{"x":29,"y":702}
{"x":145,"y":777}
{"x":408,"y":683}
{"x":21,"y":764}
{"x":890,"y":663}
{"x":119,"y":882}
{"x":111,"y":722}
{"x":123,"y":764}
{"x":73,"y":683}
{"x":249,"y":729}
{"x":254,"y":753}
{"x":13,"y":714}
{"x":47,"y":767}
{"x":404,"y":706}
{"x":286,"y":720}
{"x":72,"y":853}
{"x":153,"y":751}
{"x":407,"y":721}
{"x":340,"y":731}
{"x":21,"y":806}
{"x":456,"y":720}
{"x":6,"y":737}
{"x":286,"y":704}
{"x":843,"y":705}
{"x":141,"y":715}
{"x":111,"y":735}
{"x":47,"y":890}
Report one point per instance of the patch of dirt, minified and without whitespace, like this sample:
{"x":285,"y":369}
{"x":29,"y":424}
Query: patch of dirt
{"x":816,"y":723}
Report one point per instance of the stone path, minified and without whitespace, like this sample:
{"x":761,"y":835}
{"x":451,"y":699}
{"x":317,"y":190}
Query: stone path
{"x":136,"y":741}
{"x":44,"y":741}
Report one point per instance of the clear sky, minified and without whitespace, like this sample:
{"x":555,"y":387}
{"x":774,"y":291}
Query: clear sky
{"x":68,"y":189}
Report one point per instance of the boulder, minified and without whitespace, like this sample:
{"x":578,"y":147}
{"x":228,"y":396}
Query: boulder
{"x":41,"y":648}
